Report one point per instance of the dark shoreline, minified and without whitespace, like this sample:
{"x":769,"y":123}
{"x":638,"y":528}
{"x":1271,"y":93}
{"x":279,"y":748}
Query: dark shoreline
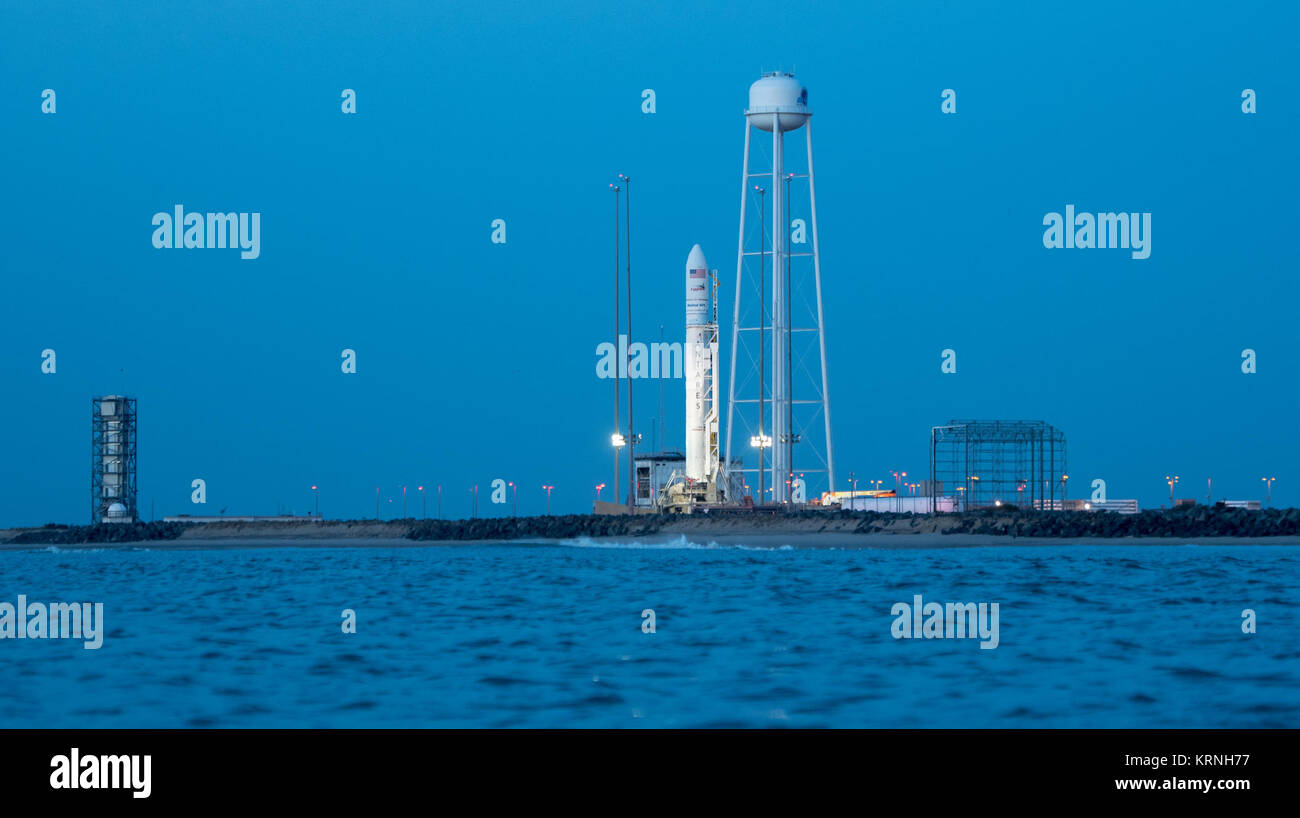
{"x":1181,"y":524}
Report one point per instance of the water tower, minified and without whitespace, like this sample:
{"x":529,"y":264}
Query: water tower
{"x":112,"y":460}
{"x":778,"y":406}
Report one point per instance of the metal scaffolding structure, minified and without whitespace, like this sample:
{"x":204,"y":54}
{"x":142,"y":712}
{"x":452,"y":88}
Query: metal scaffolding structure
{"x":985,"y":463}
{"x":112,"y":460}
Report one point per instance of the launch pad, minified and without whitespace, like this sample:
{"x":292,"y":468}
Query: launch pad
{"x":777,"y":397}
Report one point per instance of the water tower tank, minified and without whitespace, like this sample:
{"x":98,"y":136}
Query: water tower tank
{"x":778,"y":93}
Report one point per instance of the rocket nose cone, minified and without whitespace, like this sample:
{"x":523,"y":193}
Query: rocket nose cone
{"x":695,"y":261}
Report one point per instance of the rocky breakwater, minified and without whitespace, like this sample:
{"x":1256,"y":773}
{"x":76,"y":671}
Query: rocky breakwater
{"x":1188,"y":522}
{"x":561,"y":527}
{"x":103,"y":533}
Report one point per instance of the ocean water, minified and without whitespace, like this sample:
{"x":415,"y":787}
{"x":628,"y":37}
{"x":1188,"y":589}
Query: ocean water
{"x":519,"y":635}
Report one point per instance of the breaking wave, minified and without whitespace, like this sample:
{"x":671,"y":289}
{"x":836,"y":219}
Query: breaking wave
{"x":672,"y":543}
{"x":681,"y":541}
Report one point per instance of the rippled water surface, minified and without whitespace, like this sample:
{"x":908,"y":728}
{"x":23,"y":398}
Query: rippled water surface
{"x":550,"y":635}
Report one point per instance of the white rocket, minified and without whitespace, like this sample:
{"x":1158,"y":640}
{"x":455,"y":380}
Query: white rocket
{"x":701,"y":354}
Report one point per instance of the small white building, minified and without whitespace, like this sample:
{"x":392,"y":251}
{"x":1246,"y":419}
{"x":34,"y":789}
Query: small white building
{"x":654,"y":470}
{"x":896,"y":505}
{"x":243,"y":518}
{"x":1249,"y":505}
{"x":1118,"y":506}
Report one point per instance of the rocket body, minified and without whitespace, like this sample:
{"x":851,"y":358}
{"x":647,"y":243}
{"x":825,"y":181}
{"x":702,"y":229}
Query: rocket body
{"x":701,"y":354}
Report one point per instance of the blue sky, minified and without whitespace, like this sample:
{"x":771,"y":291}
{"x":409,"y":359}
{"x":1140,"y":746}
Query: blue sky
{"x":476,"y":361}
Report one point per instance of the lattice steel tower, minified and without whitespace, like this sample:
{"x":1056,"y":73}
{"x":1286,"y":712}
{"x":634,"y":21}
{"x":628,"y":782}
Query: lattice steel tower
{"x":112,"y":460}
{"x":777,"y":332}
